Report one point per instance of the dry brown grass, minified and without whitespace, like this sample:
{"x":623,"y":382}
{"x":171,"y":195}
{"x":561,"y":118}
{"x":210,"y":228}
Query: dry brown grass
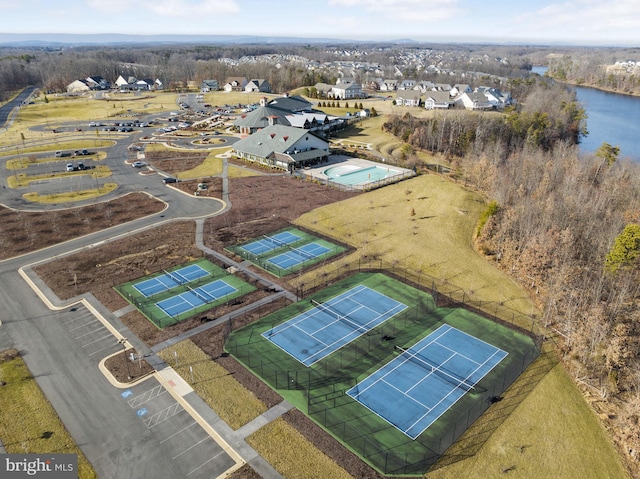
{"x":38,"y":429}
{"x":215,"y":385}
{"x":292,"y":455}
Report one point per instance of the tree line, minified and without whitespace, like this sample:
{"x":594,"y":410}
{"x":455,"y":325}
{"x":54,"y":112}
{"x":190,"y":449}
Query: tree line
{"x":565,"y":224}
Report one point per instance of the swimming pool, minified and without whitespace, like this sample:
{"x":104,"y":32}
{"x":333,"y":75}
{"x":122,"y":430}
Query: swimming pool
{"x":358,"y":175}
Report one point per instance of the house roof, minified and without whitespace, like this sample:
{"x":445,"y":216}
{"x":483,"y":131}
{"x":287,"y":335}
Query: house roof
{"x":409,"y":94}
{"x":438,"y":96}
{"x":259,"y":118}
{"x":272,"y":139}
{"x":281,"y":108}
{"x":291,"y":103}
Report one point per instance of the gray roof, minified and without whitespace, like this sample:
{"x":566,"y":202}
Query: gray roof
{"x":259,"y":118}
{"x":280,"y":107}
{"x":291,"y":103}
{"x":272,"y":139}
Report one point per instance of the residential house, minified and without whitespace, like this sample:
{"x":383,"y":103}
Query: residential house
{"x":209,"y":85}
{"x":389,"y":85}
{"x":283,"y":147}
{"x":406,"y":85}
{"x":258,"y":85}
{"x":442,"y":87}
{"x":408,"y":98}
{"x":424,"y":86}
{"x":346,"y":89}
{"x":235,"y":84}
{"x":342,"y":90}
{"x":459,"y":89}
{"x":98,"y":83}
{"x":121,"y":81}
{"x":435,"y":100}
{"x":497,"y":98}
{"x":474,"y":101}
{"x":78,"y":86}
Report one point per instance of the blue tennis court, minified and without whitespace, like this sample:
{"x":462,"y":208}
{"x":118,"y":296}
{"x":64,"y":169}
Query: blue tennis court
{"x":296,"y":256}
{"x":196,"y":297}
{"x":328,"y":326}
{"x":170,"y":279}
{"x":270,"y":243}
{"x":414,"y":389}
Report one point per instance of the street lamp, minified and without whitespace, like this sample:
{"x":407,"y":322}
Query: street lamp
{"x":123,"y":341}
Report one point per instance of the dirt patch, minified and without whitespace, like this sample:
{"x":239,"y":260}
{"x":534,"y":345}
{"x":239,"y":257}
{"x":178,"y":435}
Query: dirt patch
{"x":125,"y":370}
{"x":263,"y":204}
{"x":23,"y":232}
{"x":174,"y":162}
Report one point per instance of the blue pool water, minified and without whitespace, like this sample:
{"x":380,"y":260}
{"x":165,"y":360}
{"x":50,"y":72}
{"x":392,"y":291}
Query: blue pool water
{"x":357,"y":175}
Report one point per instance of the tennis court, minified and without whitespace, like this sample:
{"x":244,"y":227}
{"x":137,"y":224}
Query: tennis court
{"x":193,"y":298}
{"x":325,"y":328}
{"x":270,"y":243}
{"x":170,"y":279}
{"x":296,"y":256}
{"x":414,"y":389}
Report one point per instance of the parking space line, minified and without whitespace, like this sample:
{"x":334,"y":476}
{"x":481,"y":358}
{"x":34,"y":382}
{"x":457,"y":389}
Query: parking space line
{"x":205,"y":463}
{"x":83,"y":325}
{"x":109,"y":346}
{"x":89,"y":332}
{"x":108,"y":335}
{"x":163,"y":415}
{"x":69,"y":321}
{"x":177,"y":432}
{"x":192,"y":446}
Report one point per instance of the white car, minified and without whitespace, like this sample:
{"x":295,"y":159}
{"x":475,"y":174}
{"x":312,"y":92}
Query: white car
{"x":138,"y":164}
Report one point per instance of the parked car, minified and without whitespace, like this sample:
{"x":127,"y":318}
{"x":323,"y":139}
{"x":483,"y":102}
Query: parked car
{"x":169,"y":180}
{"x":138,"y":164}
{"x":58,"y":154}
{"x":69,"y":166}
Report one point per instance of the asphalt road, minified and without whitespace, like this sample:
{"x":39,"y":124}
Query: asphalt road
{"x":137,"y":432}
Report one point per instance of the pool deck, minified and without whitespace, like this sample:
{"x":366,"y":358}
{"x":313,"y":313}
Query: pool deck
{"x":317,"y":172}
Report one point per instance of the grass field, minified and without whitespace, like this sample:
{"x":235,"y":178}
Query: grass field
{"x":39,"y":429}
{"x":291,"y":454}
{"x":232,"y":402}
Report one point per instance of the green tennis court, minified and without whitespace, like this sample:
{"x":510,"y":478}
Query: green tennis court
{"x":170,"y":296}
{"x":286,"y":251}
{"x":321,"y":389}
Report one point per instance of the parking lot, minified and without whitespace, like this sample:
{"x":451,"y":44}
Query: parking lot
{"x":157,"y":423}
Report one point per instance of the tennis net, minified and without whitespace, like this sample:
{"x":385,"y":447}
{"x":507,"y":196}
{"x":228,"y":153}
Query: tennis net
{"x":177,"y":277}
{"x":275,"y":241}
{"x":424,"y":363}
{"x":303,"y":253}
{"x":339,"y":317}
{"x":202,"y":296}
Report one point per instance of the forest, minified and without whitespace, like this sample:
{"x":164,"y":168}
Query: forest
{"x":564,"y":224}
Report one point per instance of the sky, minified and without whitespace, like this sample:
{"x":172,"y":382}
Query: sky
{"x":573,"y":22}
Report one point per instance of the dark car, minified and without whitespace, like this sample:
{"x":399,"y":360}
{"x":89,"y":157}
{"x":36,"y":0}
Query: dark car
{"x":169,"y":180}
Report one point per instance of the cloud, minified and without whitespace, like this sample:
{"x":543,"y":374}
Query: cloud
{"x":168,"y":8}
{"x":405,"y":10}
{"x":584,"y":20}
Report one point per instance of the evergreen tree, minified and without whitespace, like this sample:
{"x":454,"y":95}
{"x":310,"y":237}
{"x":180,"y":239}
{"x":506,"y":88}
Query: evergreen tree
{"x":625,"y":249}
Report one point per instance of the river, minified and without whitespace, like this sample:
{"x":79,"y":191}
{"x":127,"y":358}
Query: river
{"x":611,"y":117}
